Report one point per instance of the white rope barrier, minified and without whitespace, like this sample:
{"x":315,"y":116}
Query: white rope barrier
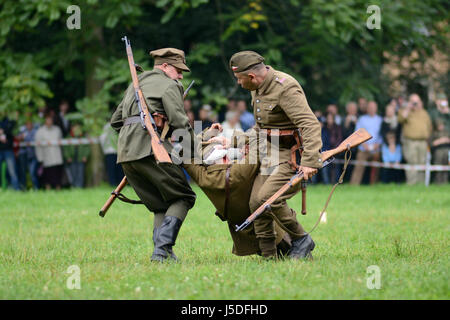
{"x":412,"y":167}
{"x":62,"y":142}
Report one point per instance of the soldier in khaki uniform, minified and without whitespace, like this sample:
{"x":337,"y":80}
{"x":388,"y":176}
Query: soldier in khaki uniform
{"x":278,"y":103}
{"x":228,"y":185}
{"x":162,"y":187}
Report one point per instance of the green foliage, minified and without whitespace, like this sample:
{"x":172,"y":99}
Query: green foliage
{"x":92,"y":113}
{"x":324,"y":44}
{"x":24,"y":85}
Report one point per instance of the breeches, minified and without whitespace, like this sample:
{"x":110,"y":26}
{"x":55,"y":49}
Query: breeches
{"x":263,"y":188}
{"x":163,"y":187}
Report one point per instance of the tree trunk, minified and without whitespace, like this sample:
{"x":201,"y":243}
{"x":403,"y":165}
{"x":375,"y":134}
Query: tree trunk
{"x":95,"y":167}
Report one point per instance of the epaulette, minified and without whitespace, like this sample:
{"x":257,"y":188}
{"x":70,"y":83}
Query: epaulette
{"x":280,"y":80}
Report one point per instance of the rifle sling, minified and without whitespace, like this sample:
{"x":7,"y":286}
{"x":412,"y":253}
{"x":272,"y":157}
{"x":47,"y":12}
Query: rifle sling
{"x":123,"y":198}
{"x":348,"y":156}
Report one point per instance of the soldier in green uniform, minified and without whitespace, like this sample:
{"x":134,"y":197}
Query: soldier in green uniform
{"x":163,"y":187}
{"x":279,"y":103}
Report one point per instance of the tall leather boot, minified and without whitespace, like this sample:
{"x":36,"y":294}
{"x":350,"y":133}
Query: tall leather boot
{"x":302,"y":247}
{"x":164,"y":239}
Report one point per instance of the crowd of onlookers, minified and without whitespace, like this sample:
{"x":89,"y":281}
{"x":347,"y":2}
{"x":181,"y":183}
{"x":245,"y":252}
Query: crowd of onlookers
{"x":50,"y":166}
{"x":407,"y":133}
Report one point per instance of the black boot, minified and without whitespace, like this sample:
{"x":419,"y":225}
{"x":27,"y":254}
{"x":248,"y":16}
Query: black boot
{"x":302,"y":247}
{"x":164,"y":239}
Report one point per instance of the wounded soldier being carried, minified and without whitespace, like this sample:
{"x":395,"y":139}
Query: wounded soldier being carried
{"x":225,"y":170}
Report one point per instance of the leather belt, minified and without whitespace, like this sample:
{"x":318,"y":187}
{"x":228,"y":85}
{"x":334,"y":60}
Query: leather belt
{"x":278,"y":132}
{"x":131,"y":120}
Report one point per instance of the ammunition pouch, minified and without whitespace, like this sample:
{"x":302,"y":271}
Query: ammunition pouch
{"x":162,"y":124}
{"x":288,"y":138}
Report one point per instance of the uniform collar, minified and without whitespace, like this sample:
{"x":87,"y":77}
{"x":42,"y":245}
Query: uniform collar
{"x":156,"y":70}
{"x":267,"y":80}
{"x":159,"y":71}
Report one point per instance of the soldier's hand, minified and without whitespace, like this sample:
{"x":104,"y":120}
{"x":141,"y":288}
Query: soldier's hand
{"x":222,"y":140}
{"x":307,"y":172}
{"x":217,"y":126}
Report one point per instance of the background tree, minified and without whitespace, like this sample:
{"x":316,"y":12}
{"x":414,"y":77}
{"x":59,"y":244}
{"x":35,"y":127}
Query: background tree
{"x":325,"y":44}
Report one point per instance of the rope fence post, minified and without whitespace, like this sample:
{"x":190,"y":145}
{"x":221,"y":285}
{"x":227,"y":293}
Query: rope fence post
{"x":427,"y":169}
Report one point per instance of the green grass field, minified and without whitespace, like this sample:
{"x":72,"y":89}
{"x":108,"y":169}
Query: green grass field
{"x":402,"y":230}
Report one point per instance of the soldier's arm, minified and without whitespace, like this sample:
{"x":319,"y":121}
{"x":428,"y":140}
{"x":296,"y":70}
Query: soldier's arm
{"x":116,"y":119}
{"x":172,"y":100}
{"x":294,"y":104}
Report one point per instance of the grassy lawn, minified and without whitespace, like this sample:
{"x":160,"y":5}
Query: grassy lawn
{"x":402,"y":230}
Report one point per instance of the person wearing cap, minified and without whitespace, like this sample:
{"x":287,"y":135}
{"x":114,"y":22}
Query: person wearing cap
{"x":163,"y":188}
{"x":278,"y":102}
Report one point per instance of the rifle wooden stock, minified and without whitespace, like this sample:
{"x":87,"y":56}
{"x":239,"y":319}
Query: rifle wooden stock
{"x":158,"y":149}
{"x":113,"y":197}
{"x":355,"y":139}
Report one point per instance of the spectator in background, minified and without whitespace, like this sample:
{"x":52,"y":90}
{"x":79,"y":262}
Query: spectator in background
{"x":441,"y":111}
{"x":370,"y":150}
{"x":50,"y":156}
{"x":390,"y":122}
{"x":417,"y":129}
{"x":246,"y":119}
{"x":324,"y":172}
{"x":231,"y":124}
{"x":76,"y":157}
{"x":108,"y":142}
{"x":6,"y":150}
{"x":440,"y":149}
{"x":188,"y":109}
{"x":187,"y":105}
{"x":333,"y":109}
{"x":333,"y":133}
{"x":391,"y":152}
{"x":61,"y":118}
{"x":231,"y":106}
{"x":204,"y":116}
{"x":362,"y":106}
{"x":27,"y":157}
{"x":319,"y":116}
{"x":350,"y":119}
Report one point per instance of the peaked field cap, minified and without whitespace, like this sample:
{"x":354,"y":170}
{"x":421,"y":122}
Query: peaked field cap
{"x":172,"y":56}
{"x":243,"y":60}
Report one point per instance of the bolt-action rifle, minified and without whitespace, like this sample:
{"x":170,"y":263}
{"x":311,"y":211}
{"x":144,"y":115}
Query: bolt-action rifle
{"x":355,"y":139}
{"x":147,"y":123}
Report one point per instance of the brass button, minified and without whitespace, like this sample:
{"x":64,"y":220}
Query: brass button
{"x":258,"y":110}
{"x":259,"y":118}
{"x":257,"y":101}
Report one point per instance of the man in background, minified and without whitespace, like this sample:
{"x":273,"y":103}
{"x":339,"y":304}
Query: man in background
{"x":417,"y":129}
{"x":370,"y":150}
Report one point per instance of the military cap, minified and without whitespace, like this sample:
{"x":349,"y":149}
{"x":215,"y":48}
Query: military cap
{"x":172,"y":56}
{"x":243,"y":60}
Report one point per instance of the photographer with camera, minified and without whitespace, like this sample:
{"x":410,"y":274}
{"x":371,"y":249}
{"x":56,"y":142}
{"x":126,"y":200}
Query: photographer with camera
{"x":417,"y":129}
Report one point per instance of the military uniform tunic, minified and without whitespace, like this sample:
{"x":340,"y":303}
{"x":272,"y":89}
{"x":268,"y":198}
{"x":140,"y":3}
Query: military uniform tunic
{"x":162,"y":187}
{"x":280,"y":103}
